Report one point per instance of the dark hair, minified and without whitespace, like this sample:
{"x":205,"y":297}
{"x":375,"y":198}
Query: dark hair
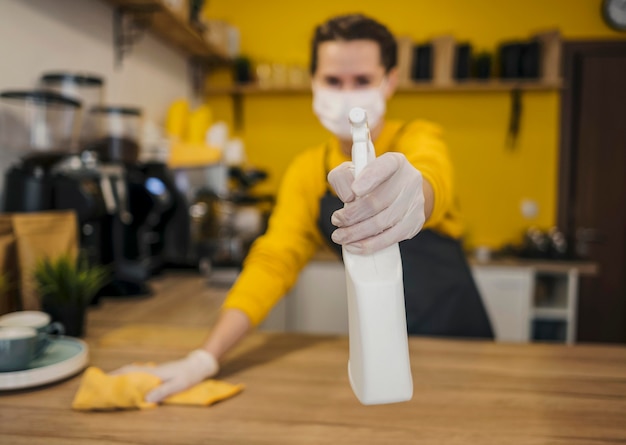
{"x":356,"y":27}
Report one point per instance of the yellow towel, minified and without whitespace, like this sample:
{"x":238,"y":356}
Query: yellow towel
{"x":100,"y":391}
{"x":205,"y":393}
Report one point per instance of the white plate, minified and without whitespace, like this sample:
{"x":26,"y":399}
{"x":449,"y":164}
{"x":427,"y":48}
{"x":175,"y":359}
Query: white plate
{"x":66,"y":356}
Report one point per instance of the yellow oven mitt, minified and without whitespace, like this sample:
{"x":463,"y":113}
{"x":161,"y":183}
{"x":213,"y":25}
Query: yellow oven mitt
{"x":101,"y":391}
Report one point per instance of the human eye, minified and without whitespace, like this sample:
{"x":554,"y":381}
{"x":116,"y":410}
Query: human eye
{"x":332,"y":81}
{"x":363,"y":81}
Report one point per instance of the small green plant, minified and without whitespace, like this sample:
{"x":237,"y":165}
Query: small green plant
{"x":68,"y":280}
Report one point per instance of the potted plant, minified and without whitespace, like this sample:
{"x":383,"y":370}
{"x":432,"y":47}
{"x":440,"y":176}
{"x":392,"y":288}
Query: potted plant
{"x":66,"y":285}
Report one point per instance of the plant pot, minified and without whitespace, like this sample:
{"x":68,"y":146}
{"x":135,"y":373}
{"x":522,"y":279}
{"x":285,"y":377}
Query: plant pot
{"x":72,"y":316}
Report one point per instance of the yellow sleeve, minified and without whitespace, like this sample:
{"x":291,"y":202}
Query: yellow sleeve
{"x":421,"y":143}
{"x":292,"y":238}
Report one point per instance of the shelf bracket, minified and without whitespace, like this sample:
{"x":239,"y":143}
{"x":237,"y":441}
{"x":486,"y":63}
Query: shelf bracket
{"x":515,"y":118}
{"x":238,"y":111}
{"x":199,"y":69}
{"x":129,"y":26}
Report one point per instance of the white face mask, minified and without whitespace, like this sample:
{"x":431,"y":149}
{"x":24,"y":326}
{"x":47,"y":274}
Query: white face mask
{"x":331,"y":106}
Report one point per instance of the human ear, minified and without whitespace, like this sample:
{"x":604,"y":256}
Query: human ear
{"x":392,"y":82}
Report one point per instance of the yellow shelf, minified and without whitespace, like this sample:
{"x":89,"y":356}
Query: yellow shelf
{"x":469,"y":86}
{"x":172,"y":28}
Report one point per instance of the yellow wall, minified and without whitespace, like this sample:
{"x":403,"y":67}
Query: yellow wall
{"x":492,"y":180}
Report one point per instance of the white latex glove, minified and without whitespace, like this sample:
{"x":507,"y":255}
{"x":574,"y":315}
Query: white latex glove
{"x":177,"y":375}
{"x":383,"y":206}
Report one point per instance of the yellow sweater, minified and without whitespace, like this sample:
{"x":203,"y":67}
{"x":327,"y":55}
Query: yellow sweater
{"x":276,"y":258}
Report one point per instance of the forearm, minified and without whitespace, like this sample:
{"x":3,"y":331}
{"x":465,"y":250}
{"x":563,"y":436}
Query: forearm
{"x":230,"y":328}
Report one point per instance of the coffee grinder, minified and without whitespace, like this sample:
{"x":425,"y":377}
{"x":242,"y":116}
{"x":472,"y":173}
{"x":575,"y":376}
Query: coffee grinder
{"x":41,"y":127}
{"x":142,"y":205}
{"x":86,"y":88}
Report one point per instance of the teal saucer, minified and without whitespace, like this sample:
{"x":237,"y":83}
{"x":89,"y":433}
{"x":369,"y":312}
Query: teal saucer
{"x":66,"y":356}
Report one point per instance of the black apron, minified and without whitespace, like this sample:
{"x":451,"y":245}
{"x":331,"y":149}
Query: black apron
{"x":440,"y":295}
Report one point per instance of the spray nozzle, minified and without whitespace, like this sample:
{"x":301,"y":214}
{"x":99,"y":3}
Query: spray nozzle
{"x":358,"y":117}
{"x":362,"y":148}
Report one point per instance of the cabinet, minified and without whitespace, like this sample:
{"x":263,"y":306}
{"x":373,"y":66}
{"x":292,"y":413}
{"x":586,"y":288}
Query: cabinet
{"x":507,"y":294}
{"x":525,"y":300}
{"x":531,"y":301}
{"x":317,"y":304}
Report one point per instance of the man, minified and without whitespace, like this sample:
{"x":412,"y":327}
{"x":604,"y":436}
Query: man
{"x":408,"y":186}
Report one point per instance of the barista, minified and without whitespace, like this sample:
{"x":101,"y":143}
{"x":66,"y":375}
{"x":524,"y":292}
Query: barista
{"x":405,"y":195}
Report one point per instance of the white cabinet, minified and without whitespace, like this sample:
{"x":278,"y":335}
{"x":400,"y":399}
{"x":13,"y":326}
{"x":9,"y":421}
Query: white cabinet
{"x":317,"y":304}
{"x":530,"y":301}
{"x":507,"y":296}
{"x":525,"y":300}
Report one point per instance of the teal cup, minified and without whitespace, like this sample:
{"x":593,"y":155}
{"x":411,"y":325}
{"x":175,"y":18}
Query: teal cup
{"x":38,"y":320}
{"x":19,"y":346}
{"x":25,"y":336}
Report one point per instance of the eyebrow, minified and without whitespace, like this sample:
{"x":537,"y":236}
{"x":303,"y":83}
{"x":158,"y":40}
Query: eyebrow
{"x":359,"y":77}
{"x":362,"y":77}
{"x":329,"y":77}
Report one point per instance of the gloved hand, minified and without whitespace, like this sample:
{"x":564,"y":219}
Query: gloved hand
{"x":383,"y":206}
{"x":177,"y":375}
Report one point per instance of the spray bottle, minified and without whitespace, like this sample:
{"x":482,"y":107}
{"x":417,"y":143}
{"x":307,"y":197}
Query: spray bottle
{"x":379,"y":367}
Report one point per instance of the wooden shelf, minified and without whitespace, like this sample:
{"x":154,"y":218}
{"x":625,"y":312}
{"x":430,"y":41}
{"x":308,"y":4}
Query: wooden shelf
{"x":494,"y":85}
{"x":172,"y":28}
{"x":469,"y":86}
{"x":550,"y":313}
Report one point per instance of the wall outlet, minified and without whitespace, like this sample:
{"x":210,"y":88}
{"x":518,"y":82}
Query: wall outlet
{"x":529,"y":208}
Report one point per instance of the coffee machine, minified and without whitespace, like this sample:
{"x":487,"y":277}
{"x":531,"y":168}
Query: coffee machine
{"x":119,"y":247}
{"x":138,"y":209}
{"x":41,"y":127}
{"x":225,"y":223}
{"x":172,"y":234}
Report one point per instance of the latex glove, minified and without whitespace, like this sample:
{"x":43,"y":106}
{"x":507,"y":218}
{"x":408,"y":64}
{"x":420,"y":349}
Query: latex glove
{"x":383,"y":206}
{"x":177,"y":375}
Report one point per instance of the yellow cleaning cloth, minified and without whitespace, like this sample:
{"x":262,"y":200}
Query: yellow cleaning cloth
{"x":100,"y":391}
{"x":205,"y":393}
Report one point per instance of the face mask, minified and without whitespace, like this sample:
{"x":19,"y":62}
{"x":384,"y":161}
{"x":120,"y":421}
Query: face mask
{"x":332,"y":106}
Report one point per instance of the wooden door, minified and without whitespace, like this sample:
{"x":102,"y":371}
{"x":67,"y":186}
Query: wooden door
{"x":592,"y":199}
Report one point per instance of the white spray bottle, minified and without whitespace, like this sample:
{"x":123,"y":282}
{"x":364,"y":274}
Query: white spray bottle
{"x":379,"y":367}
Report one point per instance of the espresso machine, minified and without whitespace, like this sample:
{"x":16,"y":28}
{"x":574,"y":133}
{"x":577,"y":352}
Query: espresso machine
{"x":172,"y":234}
{"x":40,"y":128}
{"x":226,"y":222}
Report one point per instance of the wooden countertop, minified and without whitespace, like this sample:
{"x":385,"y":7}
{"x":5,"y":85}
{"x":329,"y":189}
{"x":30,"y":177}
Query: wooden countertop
{"x":540,"y":265}
{"x":297,"y":390}
{"x":545,"y":266}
